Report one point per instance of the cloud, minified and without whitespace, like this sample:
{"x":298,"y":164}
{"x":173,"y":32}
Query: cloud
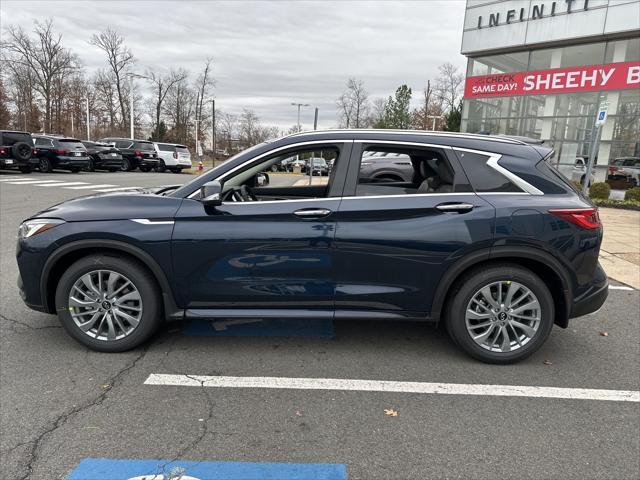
{"x":268,"y":54}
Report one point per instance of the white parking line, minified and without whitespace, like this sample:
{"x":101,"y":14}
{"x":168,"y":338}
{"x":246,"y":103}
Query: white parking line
{"x":114,"y":189}
{"x":12,"y":179}
{"x":30,"y":182}
{"x":62,"y":184}
{"x":86,"y":187}
{"x":620,"y":287}
{"x":390,"y":386}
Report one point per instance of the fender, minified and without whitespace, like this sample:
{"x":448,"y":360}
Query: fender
{"x":172,"y":312}
{"x":492,"y":253}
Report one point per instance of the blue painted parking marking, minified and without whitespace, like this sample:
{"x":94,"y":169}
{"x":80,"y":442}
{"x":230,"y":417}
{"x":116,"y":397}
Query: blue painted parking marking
{"x":108,"y":469}
{"x":260,"y":328}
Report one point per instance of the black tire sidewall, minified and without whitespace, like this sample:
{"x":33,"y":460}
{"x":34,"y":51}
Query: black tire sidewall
{"x":142,"y":279}
{"x":161,"y":166}
{"x":126,"y":165}
{"x":46,"y":163}
{"x":475,"y":281}
{"x":22,"y":146}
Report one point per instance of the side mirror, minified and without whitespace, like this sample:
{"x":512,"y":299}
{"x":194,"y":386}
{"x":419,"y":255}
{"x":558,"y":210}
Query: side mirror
{"x":211,"y":194}
{"x":262,"y":179}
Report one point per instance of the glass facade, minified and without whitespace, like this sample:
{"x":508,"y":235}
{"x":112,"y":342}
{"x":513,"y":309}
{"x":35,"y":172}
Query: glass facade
{"x":565,"y":121}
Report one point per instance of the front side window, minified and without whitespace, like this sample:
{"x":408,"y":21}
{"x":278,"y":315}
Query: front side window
{"x":391,"y":170}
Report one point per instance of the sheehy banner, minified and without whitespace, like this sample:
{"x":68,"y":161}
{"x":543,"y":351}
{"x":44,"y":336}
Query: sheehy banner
{"x":612,"y":76}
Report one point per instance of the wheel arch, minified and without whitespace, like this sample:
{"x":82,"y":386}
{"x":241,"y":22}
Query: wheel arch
{"x":67,"y":254}
{"x":543,"y":264}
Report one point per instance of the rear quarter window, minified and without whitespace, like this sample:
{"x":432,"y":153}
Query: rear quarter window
{"x":483,"y":178}
{"x":164,"y":147}
{"x":145,"y":146}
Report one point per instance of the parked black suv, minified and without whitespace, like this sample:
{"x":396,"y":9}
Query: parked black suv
{"x":486,"y":237}
{"x":135,"y":153}
{"x":16,"y":149}
{"x":103,"y":156}
{"x":52,"y":152}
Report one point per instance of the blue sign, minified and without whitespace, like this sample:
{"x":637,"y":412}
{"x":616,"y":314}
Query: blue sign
{"x":107,"y":469}
{"x":601,"y":115}
{"x":260,"y":328}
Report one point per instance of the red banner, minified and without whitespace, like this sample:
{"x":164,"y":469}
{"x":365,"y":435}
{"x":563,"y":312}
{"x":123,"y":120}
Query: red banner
{"x":613,"y":76}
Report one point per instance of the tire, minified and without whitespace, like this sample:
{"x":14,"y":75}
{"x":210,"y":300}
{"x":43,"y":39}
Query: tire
{"x":44,"y":165}
{"x":176,"y":170}
{"x":74,"y":169}
{"x":22,"y":151}
{"x":25,"y":169}
{"x":144,"y":169}
{"x":113,"y":170}
{"x":522,"y":343}
{"x":91,"y":167}
{"x":161,"y":167}
{"x":126,"y":165}
{"x":149,"y":318}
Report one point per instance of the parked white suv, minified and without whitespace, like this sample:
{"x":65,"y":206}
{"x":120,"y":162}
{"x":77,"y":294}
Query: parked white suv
{"x":173,"y":156}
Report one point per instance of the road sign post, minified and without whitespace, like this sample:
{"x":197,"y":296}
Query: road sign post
{"x":601,"y":117}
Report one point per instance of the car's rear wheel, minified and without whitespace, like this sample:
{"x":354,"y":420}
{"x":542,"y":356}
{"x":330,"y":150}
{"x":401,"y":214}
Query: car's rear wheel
{"x":500,"y":314}
{"x":74,"y":169}
{"x":161,"y":166}
{"x":91,"y":166}
{"x":126,"y":165}
{"x":144,"y":169}
{"x":176,"y":170}
{"x":108,"y":303}
{"x":25,"y":169}
{"x":44,"y":165}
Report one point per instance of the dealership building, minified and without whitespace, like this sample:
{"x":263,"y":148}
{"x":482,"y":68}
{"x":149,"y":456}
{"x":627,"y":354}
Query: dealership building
{"x":541,"y":68}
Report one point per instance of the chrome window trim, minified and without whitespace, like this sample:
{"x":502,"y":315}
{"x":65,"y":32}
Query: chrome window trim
{"x":493,"y":163}
{"x":411,"y":195}
{"x":260,"y":202}
{"x":270,"y":152}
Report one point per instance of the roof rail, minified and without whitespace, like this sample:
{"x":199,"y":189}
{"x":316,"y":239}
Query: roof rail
{"x":502,"y":139}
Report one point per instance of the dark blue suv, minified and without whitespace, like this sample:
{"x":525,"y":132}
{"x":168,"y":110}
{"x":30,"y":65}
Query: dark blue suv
{"x":484,"y":237}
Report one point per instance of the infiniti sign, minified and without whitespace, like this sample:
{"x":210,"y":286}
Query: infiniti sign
{"x":537,"y":11}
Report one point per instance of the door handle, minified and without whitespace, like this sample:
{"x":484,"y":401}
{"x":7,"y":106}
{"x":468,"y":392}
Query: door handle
{"x":312,"y":212}
{"x":455,"y":207}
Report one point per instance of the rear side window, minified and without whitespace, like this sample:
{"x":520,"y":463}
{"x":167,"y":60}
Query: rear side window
{"x":123,"y":144}
{"x":182,"y":149}
{"x":11,"y":138}
{"x":43,"y":142}
{"x":484,"y":178}
{"x":71,"y":143}
{"x":165,"y":147}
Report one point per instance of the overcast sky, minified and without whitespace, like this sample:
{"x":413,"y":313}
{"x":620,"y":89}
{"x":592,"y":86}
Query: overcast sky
{"x":269,"y":54}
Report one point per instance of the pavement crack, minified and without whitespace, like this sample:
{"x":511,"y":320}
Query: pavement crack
{"x":62,"y":419}
{"x":201,"y":434}
{"x":13,"y":323}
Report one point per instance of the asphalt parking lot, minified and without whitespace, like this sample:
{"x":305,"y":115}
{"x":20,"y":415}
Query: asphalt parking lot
{"x":61,"y":404}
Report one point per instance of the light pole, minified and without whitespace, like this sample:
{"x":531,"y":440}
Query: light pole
{"x":213,"y":126}
{"x":131,"y":75}
{"x":88,"y":132}
{"x":299,"y":105}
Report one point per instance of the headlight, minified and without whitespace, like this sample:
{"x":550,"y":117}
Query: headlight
{"x":33,"y":227}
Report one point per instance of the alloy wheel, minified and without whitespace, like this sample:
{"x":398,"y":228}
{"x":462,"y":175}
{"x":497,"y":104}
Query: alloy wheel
{"x":105,"y":305}
{"x":503,"y":316}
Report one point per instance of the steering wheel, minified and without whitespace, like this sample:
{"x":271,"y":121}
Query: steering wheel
{"x":241,"y":194}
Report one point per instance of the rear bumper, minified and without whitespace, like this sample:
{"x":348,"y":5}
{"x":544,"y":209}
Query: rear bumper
{"x":12,"y":162}
{"x":71,"y":162}
{"x":594,"y":298}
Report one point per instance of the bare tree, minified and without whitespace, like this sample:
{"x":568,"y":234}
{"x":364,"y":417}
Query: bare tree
{"x":448,"y":86}
{"x":120,"y":59}
{"x":180,"y":108}
{"x":162,"y":85}
{"x":44,"y":57}
{"x":353,"y":105}
{"x":203,"y":84}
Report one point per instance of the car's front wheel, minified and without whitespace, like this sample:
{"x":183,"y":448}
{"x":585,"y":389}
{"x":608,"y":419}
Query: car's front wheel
{"x":500,"y":314}
{"x":108,"y":303}
{"x":44,"y":165}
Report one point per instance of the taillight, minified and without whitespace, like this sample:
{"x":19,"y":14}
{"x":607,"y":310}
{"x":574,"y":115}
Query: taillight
{"x":175,"y":155}
{"x":2,"y":150}
{"x":137,"y":153}
{"x":34,"y":150}
{"x":586,"y":218}
{"x":60,"y":151}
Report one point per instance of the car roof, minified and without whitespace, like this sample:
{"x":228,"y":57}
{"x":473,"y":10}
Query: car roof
{"x":14,"y":131}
